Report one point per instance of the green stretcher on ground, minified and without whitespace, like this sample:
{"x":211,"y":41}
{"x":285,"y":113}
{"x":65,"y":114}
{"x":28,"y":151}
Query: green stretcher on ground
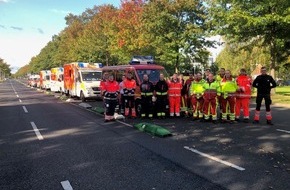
{"x":153,"y":129}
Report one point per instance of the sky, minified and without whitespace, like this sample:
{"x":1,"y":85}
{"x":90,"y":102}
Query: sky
{"x":26,"y":26}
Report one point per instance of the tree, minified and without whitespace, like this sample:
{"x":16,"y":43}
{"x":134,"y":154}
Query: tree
{"x":177,"y":30}
{"x":234,"y":57}
{"x":252,"y":21}
{"x":5,"y":70}
{"x":96,"y":42}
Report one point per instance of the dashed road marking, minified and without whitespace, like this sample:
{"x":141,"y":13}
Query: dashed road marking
{"x":17,"y":96}
{"x":66,"y":185}
{"x":214,"y":158}
{"x":20,"y":100}
{"x":283,"y":131}
{"x":39,"y":136}
{"x":24,"y":108}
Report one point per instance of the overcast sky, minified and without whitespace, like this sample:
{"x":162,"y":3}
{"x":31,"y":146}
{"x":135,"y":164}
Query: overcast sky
{"x":26,"y":26}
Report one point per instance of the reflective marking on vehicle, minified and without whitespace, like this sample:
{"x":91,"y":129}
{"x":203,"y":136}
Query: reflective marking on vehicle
{"x":24,"y":108}
{"x":66,"y":185}
{"x":283,"y":131}
{"x":39,"y":136}
{"x":214,"y":158}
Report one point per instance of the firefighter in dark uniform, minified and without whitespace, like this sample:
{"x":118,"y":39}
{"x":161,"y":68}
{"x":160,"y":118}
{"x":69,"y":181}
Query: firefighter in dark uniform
{"x":147,"y":90}
{"x":264,"y":83}
{"x":161,"y":89}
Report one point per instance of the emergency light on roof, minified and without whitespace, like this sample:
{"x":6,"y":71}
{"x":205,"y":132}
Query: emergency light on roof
{"x":137,"y":59}
{"x":98,"y":65}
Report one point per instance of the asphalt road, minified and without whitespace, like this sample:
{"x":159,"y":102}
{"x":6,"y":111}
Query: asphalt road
{"x":47,"y":143}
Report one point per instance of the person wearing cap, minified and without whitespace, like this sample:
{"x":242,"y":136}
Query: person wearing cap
{"x":264,"y":83}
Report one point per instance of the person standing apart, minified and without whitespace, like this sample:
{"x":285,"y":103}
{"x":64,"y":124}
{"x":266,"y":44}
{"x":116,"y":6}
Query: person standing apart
{"x":111,"y":91}
{"x":228,"y":90}
{"x":147,"y":90}
{"x":243,"y":95}
{"x":161,"y":89}
{"x":129,"y":95}
{"x":264,"y":83}
{"x":174,"y":94}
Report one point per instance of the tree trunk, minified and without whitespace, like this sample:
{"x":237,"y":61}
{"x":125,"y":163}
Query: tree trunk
{"x":176,"y":64}
{"x":273,"y":52}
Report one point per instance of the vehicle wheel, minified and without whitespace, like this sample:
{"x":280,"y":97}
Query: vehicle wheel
{"x":82,"y":97}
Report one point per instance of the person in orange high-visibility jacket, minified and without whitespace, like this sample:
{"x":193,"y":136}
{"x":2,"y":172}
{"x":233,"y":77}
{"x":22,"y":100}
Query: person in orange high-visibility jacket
{"x":111,"y":91}
{"x":174,"y":95}
{"x":129,"y":87}
{"x":103,"y":81}
{"x":196,"y":93}
{"x":211,"y":91}
{"x":243,"y":95}
{"x":228,"y":91}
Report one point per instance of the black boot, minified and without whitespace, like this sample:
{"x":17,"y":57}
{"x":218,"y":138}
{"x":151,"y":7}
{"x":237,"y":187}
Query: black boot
{"x":269,"y":122}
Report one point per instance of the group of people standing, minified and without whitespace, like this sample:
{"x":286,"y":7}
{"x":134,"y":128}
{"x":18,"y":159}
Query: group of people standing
{"x":198,"y":97}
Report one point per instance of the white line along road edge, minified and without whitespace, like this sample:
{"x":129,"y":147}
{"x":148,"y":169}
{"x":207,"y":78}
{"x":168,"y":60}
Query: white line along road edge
{"x":39,"y":136}
{"x":24,"y":108}
{"x":214,"y":158}
{"x":66,"y":185}
{"x":283,"y":131}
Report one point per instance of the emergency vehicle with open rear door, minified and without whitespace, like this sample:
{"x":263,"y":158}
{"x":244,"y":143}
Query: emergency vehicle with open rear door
{"x":82,"y":80}
{"x":56,"y":82}
{"x":44,"y":80}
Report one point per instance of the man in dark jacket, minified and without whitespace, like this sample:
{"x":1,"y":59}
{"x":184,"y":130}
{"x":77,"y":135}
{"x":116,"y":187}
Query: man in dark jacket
{"x":147,"y":90}
{"x":264,"y":83}
{"x":161,"y":89}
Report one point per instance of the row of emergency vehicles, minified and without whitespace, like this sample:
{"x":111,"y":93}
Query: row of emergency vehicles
{"x":75,"y":79}
{"x":83,"y":80}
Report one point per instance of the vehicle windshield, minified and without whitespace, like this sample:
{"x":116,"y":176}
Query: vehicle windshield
{"x":91,"y":76}
{"x":152,"y":73}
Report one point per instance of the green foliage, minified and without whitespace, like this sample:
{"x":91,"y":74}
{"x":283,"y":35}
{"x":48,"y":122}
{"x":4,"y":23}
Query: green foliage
{"x":176,"y":30}
{"x":252,"y":22}
{"x":234,"y":57}
{"x":4,"y":69}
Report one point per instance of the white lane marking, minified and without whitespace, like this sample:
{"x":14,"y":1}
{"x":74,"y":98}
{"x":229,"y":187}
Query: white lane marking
{"x":66,"y":185}
{"x":39,"y":136}
{"x":17,"y":96}
{"x":24,"y":108}
{"x":124,"y":123}
{"x":214,"y":158}
{"x":283,"y":131}
{"x":20,"y":100}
